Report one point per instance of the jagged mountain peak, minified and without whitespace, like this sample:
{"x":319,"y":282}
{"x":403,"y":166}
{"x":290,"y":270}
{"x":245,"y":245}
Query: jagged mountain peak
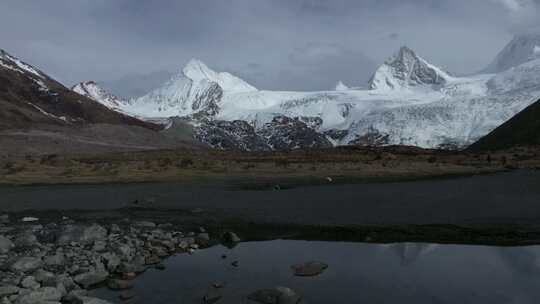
{"x":95,"y":92}
{"x":195,"y":69}
{"x":198,"y":71}
{"x":522,"y":48}
{"x":340,"y":86}
{"x":406,"y":69}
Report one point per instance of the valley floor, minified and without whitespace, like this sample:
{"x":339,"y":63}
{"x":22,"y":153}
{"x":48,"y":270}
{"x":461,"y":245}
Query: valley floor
{"x":382,"y":195}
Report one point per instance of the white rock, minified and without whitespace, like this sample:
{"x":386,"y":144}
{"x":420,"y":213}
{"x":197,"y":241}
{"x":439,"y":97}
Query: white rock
{"x":29,"y":219}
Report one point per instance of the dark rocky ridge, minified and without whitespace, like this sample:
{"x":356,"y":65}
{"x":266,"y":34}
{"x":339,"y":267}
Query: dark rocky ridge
{"x":521,"y":130}
{"x":282,"y":133}
{"x":28,"y":99}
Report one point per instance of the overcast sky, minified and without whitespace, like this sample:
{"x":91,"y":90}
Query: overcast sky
{"x":274,"y":44}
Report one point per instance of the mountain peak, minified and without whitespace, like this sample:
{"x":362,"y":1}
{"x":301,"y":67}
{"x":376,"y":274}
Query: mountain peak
{"x":406,"y":69}
{"x":95,"y":92}
{"x":522,"y":48}
{"x":198,"y":71}
{"x":340,"y":86}
{"x":195,"y":70}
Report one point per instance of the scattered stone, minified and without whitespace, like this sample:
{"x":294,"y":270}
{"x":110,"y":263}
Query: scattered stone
{"x":231,"y":237}
{"x":223,"y":256}
{"x":219,"y":285}
{"x":212,"y":296}
{"x":278,"y":295}
{"x":5,"y":244}
{"x":115,"y":284}
{"x":235,"y":263}
{"x":27,"y":264}
{"x":309,"y":269}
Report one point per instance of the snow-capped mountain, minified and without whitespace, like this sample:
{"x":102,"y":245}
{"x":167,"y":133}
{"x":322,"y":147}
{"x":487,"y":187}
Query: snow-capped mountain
{"x":92,"y":90}
{"x":407,"y":69}
{"x":29,"y":98}
{"x":195,"y":91}
{"x":520,"y":49}
{"x":409,"y":102}
{"x":340,"y":86}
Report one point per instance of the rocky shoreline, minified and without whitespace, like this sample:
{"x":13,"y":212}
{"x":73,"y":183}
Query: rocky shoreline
{"x":58,"y":262}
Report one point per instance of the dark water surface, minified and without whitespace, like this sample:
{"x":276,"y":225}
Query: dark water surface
{"x":358,"y":273}
{"x":503,"y":198}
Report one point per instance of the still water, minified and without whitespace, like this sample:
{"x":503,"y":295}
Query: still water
{"x":357,"y":273}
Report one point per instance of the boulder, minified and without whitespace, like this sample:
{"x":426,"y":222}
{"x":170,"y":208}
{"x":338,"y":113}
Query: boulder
{"x":81,"y":234}
{"x":90,"y":278}
{"x":26,"y":264}
{"x":30,"y":282}
{"x":5,"y":244}
{"x":26,"y":239}
{"x":54,"y":260}
{"x":42,"y":295}
{"x":8,"y":290}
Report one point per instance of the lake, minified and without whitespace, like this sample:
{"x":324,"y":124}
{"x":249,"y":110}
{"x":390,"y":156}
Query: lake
{"x":357,"y":273}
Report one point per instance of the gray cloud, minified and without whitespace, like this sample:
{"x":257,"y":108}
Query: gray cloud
{"x":288,"y":44}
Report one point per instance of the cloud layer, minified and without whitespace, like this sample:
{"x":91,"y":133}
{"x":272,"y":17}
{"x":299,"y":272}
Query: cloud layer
{"x":275,"y":44}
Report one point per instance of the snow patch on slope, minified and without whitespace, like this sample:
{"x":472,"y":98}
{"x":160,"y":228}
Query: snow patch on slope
{"x":93,"y":91}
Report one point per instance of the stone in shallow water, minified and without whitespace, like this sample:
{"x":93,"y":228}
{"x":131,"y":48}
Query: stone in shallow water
{"x":119,"y":284}
{"x":278,"y":295}
{"x":231,"y":237}
{"x":212,"y":296}
{"x":124,"y":295}
{"x":153,"y":259}
{"x":309,"y":269}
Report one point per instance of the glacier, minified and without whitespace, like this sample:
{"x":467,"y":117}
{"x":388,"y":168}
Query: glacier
{"x":409,"y":101}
